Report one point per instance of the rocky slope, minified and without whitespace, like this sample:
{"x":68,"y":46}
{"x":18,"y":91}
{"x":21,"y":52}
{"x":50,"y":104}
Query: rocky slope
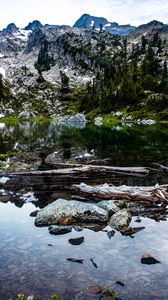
{"x":38,"y":62}
{"x":19,"y":49}
{"x":148,"y":30}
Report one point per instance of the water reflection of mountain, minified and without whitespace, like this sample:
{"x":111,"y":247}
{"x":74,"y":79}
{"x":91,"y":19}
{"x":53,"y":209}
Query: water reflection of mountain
{"x":126,"y":146}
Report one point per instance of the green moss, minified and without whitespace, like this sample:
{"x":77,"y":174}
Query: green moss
{"x":74,"y":107}
{"x":9,"y":154}
{"x":41,"y":118}
{"x":110,"y":120}
{"x":54,"y":297}
{"x":93,"y":114}
{"x":12,"y":119}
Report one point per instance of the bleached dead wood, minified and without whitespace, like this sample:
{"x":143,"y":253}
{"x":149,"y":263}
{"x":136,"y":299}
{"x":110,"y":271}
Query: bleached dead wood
{"x":160,"y":167}
{"x":105,"y":191}
{"x":85,"y":170}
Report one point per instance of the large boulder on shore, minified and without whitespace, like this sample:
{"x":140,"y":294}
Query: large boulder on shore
{"x":120,"y":220}
{"x":64,"y":212}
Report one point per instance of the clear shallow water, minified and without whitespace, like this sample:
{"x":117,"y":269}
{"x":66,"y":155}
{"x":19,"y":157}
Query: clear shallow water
{"x":34,"y":262}
{"x":30,"y":264}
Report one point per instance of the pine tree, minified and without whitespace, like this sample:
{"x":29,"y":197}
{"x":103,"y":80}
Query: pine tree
{"x":44,"y":61}
{"x":64,"y":81}
{"x":5,"y":92}
{"x":164,"y":81}
{"x":165,"y":73}
{"x":143,"y":44}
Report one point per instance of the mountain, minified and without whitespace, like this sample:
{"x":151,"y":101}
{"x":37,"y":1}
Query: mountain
{"x":11,"y":28}
{"x":34,"y":25}
{"x":90,"y":22}
{"x":87,"y":22}
{"x":34,"y":59}
{"x":149,"y":29}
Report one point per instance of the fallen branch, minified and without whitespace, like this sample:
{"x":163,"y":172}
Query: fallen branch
{"x":106,"y":191}
{"x":85,"y":170}
{"x":161,"y":167}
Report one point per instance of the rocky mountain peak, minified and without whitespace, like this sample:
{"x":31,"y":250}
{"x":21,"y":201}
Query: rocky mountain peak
{"x":151,"y":24}
{"x":149,"y":29}
{"x":11,"y":28}
{"x":34,"y":25}
{"x":35,"y":39}
{"x":155,"y":23}
{"x":87,"y":21}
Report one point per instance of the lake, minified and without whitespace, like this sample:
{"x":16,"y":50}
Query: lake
{"x":34,"y":262}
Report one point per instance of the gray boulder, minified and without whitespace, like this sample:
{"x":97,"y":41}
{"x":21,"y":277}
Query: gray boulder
{"x":109,"y":206}
{"x":65,"y":212}
{"x":120,"y":220}
{"x":26,"y":115}
{"x":77,"y":121}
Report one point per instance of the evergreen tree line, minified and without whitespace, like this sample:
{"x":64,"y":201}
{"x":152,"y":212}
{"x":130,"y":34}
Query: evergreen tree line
{"x":128,"y":76}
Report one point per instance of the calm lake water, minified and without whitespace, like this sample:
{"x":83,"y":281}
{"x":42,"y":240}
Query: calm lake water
{"x":34,"y":262}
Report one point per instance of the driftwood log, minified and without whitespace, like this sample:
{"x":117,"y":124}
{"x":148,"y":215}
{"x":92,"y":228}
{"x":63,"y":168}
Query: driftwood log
{"x":136,"y":193}
{"x":63,"y":179}
{"x":85,"y":170}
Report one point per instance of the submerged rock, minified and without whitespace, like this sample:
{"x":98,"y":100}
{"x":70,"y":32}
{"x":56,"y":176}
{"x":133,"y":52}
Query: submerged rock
{"x":77,"y":260}
{"x":130,"y":231}
{"x":96,"y":227}
{"x":120,"y":220}
{"x":56,"y":230}
{"x":74,"y":211}
{"x":149,"y":259}
{"x":76,"y":241}
{"x":94,"y":289}
{"x":34,"y":213}
{"x":120,"y":283}
{"x":110,"y":234}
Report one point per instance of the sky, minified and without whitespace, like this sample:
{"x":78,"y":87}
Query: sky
{"x":134,"y":12}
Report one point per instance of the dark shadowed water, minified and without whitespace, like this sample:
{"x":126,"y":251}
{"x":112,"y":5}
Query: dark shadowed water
{"x":125,"y":145}
{"x":34,"y":262}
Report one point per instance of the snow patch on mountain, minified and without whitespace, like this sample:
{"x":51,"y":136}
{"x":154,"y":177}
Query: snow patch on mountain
{"x":107,"y":25}
{"x":2,"y":71}
{"x":22,"y":34}
{"x":92,"y":23}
